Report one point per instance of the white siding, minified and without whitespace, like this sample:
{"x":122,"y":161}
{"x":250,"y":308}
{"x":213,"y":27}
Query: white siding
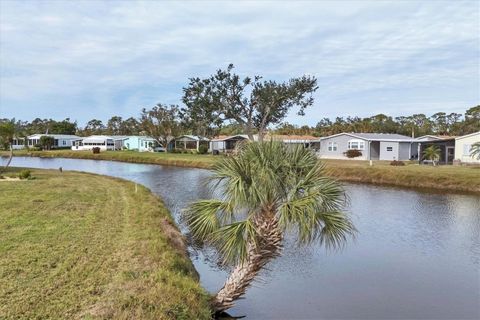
{"x":463,"y":146}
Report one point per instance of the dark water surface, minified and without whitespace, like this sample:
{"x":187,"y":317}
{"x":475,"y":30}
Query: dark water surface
{"x":417,"y":255}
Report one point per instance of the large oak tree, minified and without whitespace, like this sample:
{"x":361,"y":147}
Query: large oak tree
{"x":253,"y":103}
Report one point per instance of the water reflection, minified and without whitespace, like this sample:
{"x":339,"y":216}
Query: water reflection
{"x":416,"y":255}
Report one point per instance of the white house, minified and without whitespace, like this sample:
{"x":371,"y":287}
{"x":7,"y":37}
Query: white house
{"x":60,"y":140}
{"x":463,"y":146}
{"x":372,"y":146}
{"x":102,"y":142}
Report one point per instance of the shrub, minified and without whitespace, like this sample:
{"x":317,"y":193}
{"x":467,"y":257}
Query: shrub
{"x":202,"y":149}
{"x":24,"y":174}
{"x":353,"y":153}
{"x":397,"y":163}
{"x":96,"y":149}
{"x":47,"y":142}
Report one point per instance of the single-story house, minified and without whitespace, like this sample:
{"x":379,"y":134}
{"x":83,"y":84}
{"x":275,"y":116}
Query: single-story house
{"x":60,"y":140}
{"x":103,"y":142}
{"x":140,"y":143}
{"x":373,"y":146}
{"x":189,"y":142}
{"x":446,"y":144}
{"x":463,"y":147}
{"x":307,"y":141}
{"x":226,"y":143}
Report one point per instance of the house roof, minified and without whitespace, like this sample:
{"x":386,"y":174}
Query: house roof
{"x":275,"y":137}
{"x":375,"y":136}
{"x":434,"y":137}
{"x":195,"y":138}
{"x":468,"y":135}
{"x":292,"y":138}
{"x":55,"y":136}
{"x":223,"y":137}
{"x":101,"y":138}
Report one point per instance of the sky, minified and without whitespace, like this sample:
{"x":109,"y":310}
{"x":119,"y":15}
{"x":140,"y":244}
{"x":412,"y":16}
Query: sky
{"x":95,"y":59}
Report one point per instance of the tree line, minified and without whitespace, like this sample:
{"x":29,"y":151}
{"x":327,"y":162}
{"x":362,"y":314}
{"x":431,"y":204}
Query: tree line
{"x":226,"y":103}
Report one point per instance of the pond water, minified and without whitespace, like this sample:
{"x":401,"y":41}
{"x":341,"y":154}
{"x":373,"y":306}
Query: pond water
{"x":416,"y":256}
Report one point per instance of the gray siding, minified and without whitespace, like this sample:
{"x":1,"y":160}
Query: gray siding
{"x":342,"y":146}
{"x":404,"y":151}
{"x":388,"y":155}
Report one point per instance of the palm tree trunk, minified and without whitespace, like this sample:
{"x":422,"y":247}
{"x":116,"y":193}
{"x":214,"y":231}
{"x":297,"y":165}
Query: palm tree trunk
{"x":268,"y":246}
{"x":9,"y":160}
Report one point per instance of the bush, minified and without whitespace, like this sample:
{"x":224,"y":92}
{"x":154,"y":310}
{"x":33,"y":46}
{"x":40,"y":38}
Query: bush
{"x":202,"y":149}
{"x":397,"y":163}
{"x":96,"y":150}
{"x":353,"y":153}
{"x":25,"y":174}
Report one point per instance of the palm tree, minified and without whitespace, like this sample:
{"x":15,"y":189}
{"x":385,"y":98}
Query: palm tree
{"x":7,"y":132}
{"x":267,"y":189}
{"x":475,"y":150}
{"x":432,"y":153}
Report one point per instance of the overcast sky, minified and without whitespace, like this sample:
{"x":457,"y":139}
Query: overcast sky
{"x":95,"y":59}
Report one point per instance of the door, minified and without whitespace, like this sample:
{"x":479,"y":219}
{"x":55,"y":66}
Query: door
{"x":450,"y":154}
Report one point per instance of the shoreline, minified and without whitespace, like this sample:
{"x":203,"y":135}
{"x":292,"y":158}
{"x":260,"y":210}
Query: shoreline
{"x":457,"y":179}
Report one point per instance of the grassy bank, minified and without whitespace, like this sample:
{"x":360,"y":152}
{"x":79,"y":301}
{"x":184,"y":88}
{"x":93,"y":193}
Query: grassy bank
{"x":162,"y":158}
{"x":76,"y":245}
{"x":447,"y":178}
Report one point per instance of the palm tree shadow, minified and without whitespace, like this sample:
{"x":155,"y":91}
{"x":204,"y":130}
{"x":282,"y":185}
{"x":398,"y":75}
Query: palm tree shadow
{"x":225,"y":316}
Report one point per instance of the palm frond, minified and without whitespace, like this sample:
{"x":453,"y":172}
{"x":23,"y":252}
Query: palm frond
{"x":335,"y":229}
{"x":204,"y":217}
{"x":233,"y":240}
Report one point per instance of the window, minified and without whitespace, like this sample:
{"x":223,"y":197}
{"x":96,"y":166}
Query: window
{"x":389,"y":148}
{"x":332,"y":146}
{"x":64,"y":142}
{"x":356,"y":145}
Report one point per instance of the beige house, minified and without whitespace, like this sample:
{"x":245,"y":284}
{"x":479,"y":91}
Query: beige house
{"x":463,"y":146}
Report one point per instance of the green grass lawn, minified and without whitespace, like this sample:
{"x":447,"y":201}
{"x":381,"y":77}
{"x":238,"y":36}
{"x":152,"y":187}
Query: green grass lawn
{"x":77,"y":245}
{"x":448,"y":178}
{"x":175,"y":159}
{"x":412,"y":175}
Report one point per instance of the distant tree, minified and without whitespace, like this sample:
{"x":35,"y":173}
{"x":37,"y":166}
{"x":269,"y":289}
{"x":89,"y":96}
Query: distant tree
{"x":421,"y":125}
{"x":114,"y":125}
{"x":62,"y":127}
{"x":231,"y":129}
{"x":252,"y":103}
{"x":47,"y":142}
{"x":130,"y":126}
{"x":432,"y":153}
{"x":439,"y":123}
{"x":472,"y":120}
{"x":94,"y":126}
{"x":161,"y":123}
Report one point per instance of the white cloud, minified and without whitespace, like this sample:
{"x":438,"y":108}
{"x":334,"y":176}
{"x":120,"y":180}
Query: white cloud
{"x":126,"y":55}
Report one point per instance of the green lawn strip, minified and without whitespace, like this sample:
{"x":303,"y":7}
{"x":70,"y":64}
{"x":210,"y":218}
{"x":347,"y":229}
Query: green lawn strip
{"x":448,"y":178}
{"x":77,"y":245}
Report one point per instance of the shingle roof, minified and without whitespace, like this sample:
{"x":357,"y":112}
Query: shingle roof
{"x":380,"y":136}
{"x":375,"y":136}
